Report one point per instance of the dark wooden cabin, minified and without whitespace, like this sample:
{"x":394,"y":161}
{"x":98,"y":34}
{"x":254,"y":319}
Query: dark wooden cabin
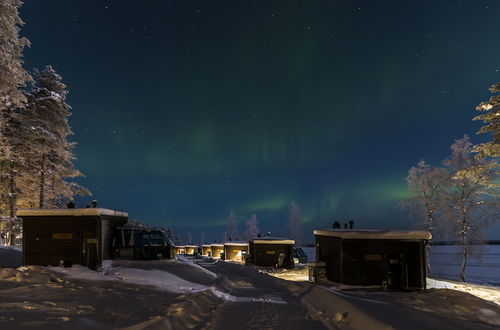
{"x":235,"y":251}
{"x":72,"y":236}
{"x":387,"y":258}
{"x":271,"y":252}
{"x":142,"y":244}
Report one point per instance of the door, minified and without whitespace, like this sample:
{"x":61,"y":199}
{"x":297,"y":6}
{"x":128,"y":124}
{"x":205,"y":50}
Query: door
{"x":396,"y":276}
{"x":90,"y":256}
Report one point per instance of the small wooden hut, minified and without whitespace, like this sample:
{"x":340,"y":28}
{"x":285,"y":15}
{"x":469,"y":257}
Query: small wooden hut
{"x":206,"y":250}
{"x":180,"y":249}
{"x":235,"y":251}
{"x":190,"y":249}
{"x":69,"y":236}
{"x":271,"y":252}
{"x":217,"y":249}
{"x":391,"y":258}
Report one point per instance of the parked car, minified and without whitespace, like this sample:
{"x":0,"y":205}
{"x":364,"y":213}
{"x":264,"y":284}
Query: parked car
{"x":299,"y":256}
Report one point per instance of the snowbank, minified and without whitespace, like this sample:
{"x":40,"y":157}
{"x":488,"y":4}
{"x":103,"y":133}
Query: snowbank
{"x":489,"y":293}
{"x":10,"y":256}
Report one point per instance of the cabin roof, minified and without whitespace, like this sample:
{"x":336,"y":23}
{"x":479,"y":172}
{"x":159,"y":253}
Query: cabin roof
{"x":70,"y":212}
{"x":374,"y":234}
{"x":236,"y":243}
{"x":272,"y":240}
{"x":206,"y":245}
{"x":190,"y":246}
{"x":217,"y":244}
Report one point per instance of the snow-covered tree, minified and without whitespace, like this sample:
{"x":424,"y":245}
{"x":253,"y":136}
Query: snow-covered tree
{"x":426,"y":186}
{"x":50,"y":156}
{"x":203,"y":238}
{"x":294,"y":225}
{"x":490,"y":115}
{"x":12,"y":79}
{"x":231,"y":233}
{"x":251,"y":227}
{"x":468,"y":209}
{"x":177,"y":240}
{"x":12,"y":75}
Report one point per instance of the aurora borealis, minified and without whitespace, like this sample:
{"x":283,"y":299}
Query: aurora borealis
{"x":185,"y":110}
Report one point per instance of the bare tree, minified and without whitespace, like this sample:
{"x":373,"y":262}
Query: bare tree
{"x":232,"y":228}
{"x":426,"y":186}
{"x":189,"y":238}
{"x":177,"y":240}
{"x":251,"y":227}
{"x":203,"y":238}
{"x":468,"y":209}
{"x":294,"y":224}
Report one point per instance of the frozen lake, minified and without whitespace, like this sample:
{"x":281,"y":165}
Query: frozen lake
{"x":484,"y":268}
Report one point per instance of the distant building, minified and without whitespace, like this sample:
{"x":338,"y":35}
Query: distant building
{"x":180,"y":249}
{"x":392,"y":258}
{"x":190,"y":249}
{"x":142,"y":244}
{"x":235,"y":251}
{"x":217,"y":249}
{"x":271,"y":252}
{"x":206,"y":250}
{"x":71,"y":236}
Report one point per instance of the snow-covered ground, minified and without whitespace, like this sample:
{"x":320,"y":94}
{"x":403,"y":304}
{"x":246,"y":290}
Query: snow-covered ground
{"x":203,"y":293}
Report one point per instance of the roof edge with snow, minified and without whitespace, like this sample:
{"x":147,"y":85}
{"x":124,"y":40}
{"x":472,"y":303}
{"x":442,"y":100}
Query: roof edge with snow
{"x":70,"y":212}
{"x":374,"y":234}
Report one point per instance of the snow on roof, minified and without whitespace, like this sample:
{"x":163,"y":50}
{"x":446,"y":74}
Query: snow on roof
{"x":217,"y":244}
{"x":373,"y":234}
{"x":236,"y":243}
{"x":272,"y":240}
{"x":71,"y":212}
{"x":206,"y":245}
{"x":191,"y":246}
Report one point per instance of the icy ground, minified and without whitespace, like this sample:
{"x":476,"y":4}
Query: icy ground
{"x":209,"y":294}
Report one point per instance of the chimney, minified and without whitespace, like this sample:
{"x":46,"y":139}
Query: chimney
{"x":351,"y":224}
{"x":94,"y":203}
{"x":71,"y":205}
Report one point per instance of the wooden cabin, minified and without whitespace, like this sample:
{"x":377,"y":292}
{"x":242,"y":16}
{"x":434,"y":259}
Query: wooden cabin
{"x":69,"y":236}
{"x":394,"y":259}
{"x":271,"y":252}
{"x":217,"y":249}
{"x":180,"y":249}
{"x":190,"y":249}
{"x":235,"y":251}
{"x":142,"y":244}
{"x":206,"y":250}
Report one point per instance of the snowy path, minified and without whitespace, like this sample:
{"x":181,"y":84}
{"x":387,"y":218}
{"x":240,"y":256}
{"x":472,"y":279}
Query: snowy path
{"x":277,"y":307}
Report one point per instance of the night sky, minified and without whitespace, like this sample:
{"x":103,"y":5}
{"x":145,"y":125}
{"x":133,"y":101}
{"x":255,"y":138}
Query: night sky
{"x":185,"y":110}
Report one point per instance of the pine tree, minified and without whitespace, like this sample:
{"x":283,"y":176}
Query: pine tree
{"x":12,"y":75}
{"x":51,"y":155}
{"x":232,"y":228}
{"x":491,"y":117}
{"x":294,"y":224}
{"x":12,"y":78}
{"x":251,"y":227}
